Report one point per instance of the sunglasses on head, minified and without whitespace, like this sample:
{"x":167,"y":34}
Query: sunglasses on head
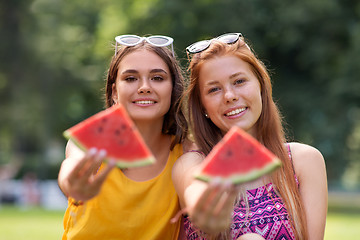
{"x":156,"y":40}
{"x":200,"y":46}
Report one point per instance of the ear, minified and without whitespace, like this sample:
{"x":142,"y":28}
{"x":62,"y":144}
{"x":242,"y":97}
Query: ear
{"x":114,"y":95}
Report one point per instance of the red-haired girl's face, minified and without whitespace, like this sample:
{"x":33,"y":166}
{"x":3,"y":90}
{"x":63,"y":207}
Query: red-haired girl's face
{"x":230,"y":93}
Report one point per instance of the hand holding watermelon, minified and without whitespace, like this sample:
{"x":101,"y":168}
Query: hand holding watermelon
{"x":115,"y":135}
{"x":237,"y":158}
{"x":212,"y":211}
{"x":114,"y":131}
{"x":83,"y":180}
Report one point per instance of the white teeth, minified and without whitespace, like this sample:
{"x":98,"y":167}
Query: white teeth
{"x":236,"y":111}
{"x":144,"y":102}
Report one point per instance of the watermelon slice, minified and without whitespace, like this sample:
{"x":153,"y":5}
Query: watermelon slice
{"x":112,"y":130}
{"x":238,"y":157}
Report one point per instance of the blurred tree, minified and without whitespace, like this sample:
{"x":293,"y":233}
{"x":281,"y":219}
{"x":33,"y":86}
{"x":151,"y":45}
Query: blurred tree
{"x":16,"y":122}
{"x":310,"y":46}
{"x":54,"y":54}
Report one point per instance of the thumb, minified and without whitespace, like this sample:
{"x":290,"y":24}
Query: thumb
{"x":100,"y":178}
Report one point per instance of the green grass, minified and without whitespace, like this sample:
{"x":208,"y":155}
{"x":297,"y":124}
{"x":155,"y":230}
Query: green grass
{"x":37,"y":223}
{"x":30,"y":224}
{"x":342,"y":225}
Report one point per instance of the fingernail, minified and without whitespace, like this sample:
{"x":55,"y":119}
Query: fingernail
{"x":228,"y":184}
{"x":215,"y":182}
{"x":111,"y":162}
{"x":102,"y":153}
{"x":92,"y":151}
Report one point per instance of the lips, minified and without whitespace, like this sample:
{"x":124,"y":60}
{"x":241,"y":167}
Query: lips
{"x":235,"y":112}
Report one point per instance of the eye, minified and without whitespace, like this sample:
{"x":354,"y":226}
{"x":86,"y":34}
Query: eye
{"x":239,"y":81}
{"x":157,"y":78}
{"x":130,"y":79}
{"x":213,"y":89}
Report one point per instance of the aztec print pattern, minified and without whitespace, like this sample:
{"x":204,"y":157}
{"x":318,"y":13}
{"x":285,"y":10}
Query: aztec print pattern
{"x":267,"y":217}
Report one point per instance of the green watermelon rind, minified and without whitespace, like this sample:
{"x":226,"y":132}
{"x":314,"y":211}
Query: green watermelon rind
{"x":120,"y":162}
{"x":242,"y":178}
{"x":139,"y":162}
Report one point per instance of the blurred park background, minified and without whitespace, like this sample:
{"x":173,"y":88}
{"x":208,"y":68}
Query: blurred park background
{"x":54,"y":55}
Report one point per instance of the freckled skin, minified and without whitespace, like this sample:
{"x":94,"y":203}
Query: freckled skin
{"x":232,"y":86}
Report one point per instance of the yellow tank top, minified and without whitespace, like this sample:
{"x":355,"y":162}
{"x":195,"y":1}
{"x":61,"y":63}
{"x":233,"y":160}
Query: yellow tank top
{"x":126,"y":209}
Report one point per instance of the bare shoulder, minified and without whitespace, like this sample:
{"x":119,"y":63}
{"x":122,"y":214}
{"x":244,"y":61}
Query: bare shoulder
{"x":304,"y":150}
{"x":306,"y":158}
{"x":72,"y":150}
{"x":191,"y":156}
{"x":188,"y":161}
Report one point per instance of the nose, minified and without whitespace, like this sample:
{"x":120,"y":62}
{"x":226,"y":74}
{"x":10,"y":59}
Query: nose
{"x":144,"y":87}
{"x":230,"y":95}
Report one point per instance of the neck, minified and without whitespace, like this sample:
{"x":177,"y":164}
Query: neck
{"x":151,"y":132}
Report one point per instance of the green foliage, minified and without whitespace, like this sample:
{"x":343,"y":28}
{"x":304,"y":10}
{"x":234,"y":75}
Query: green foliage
{"x":55,"y":54}
{"x":310,"y":46}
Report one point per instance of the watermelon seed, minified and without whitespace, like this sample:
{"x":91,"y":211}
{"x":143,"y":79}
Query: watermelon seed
{"x":117,"y":132}
{"x":250,"y":150}
{"x":229,"y":153}
{"x":100,"y":129}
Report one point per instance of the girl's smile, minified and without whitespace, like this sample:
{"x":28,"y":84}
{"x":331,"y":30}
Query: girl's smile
{"x":143,"y":85}
{"x":231,"y":93}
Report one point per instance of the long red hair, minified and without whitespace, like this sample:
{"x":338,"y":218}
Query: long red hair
{"x":269,"y":126}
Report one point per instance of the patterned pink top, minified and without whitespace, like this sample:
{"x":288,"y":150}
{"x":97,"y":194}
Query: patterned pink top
{"x":267,"y":217}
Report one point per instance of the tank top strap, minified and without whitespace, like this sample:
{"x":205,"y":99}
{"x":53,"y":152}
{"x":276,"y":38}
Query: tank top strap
{"x":198,"y":151}
{"x":292,"y":162}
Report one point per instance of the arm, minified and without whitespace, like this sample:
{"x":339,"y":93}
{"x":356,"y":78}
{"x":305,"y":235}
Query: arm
{"x":209,"y":206}
{"x":78,"y":177}
{"x":310,"y":169}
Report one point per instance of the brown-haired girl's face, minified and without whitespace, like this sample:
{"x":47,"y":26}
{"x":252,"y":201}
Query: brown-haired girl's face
{"x":143,"y":85}
{"x":230,"y":93}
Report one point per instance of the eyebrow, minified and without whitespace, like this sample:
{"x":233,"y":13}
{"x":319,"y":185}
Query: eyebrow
{"x":129,"y":71}
{"x":230,"y":77}
{"x":211,"y":83}
{"x":156,"y":70}
{"x":236,"y":75}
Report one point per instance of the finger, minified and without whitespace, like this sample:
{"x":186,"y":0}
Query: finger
{"x":204,"y":208}
{"x":220,"y":198}
{"x":207,"y":196}
{"x":215,"y":205}
{"x":94,"y":165}
{"x":237,"y":187}
{"x":100,"y":178}
{"x":77,"y":170}
{"x":226,"y":202}
{"x":178,"y":215}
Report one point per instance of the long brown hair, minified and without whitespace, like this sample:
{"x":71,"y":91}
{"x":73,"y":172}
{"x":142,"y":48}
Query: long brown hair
{"x":174,"y":120}
{"x":269,"y":125}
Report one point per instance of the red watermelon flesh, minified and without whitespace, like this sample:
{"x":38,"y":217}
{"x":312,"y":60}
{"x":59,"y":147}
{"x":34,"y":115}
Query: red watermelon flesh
{"x":238,"y":157}
{"x":112,"y":130}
